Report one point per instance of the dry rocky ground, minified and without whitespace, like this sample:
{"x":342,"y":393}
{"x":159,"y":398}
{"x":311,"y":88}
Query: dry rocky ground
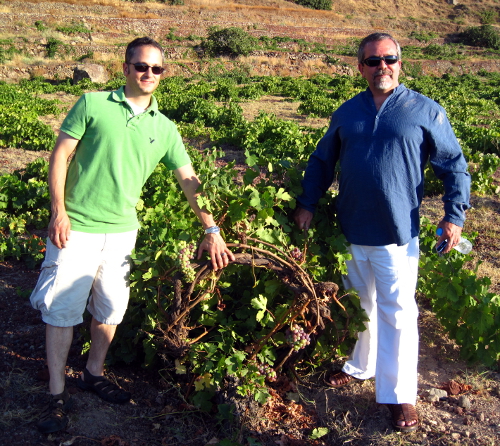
{"x":160,"y":412}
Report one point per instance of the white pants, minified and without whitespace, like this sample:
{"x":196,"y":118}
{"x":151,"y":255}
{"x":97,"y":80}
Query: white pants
{"x":385,"y":278}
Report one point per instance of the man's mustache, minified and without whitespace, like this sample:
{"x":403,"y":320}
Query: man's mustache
{"x":382,"y":73}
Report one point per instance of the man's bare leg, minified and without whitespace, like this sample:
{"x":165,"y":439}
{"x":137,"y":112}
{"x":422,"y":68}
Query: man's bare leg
{"x":58,"y":341}
{"x":101,"y":336}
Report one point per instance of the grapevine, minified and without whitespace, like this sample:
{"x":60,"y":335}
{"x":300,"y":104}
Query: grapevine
{"x":185,"y":254}
{"x":267,"y":371}
{"x":297,"y":337}
{"x":296,"y":254}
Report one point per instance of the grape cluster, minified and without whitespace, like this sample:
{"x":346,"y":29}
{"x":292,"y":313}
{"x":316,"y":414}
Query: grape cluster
{"x":186,"y":253}
{"x":296,"y":253}
{"x":297,"y":337}
{"x":267,"y":371}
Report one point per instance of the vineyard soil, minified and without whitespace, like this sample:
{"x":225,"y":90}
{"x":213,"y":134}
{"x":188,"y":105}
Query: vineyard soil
{"x":160,"y":415}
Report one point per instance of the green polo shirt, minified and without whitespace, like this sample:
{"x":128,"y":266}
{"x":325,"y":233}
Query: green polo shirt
{"x":114,"y":157}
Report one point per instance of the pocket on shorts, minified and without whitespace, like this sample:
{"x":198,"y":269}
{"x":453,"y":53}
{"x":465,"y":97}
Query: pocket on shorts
{"x":43,"y":294}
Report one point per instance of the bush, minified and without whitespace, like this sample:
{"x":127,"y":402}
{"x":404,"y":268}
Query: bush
{"x":485,"y":36}
{"x":228,"y":42}
{"x":52,"y":47}
{"x":73,"y":28}
{"x":316,"y":4}
{"x":487,"y":17}
{"x":440,"y":51}
{"x":40,"y":26}
{"x":423,"y":36}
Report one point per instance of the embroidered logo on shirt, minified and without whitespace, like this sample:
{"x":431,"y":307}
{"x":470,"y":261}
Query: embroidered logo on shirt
{"x":151,"y":140}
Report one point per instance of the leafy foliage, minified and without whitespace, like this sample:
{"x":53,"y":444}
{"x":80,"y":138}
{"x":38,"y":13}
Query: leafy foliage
{"x":423,"y":36}
{"x":485,"y":36}
{"x":461,"y":301}
{"x":231,"y":41}
{"x":316,"y":4}
{"x":235,"y":323}
{"x":73,"y":28}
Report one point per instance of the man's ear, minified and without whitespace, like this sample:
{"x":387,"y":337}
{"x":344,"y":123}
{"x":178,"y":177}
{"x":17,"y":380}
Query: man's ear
{"x":125,"y":68}
{"x":360,"y":68}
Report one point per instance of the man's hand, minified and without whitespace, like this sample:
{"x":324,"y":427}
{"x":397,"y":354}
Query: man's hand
{"x":303,"y":218}
{"x":451,"y":232}
{"x":59,"y":228}
{"x":217,"y":249}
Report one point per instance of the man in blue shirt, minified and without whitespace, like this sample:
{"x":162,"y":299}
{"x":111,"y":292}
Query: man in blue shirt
{"x":382,"y":138}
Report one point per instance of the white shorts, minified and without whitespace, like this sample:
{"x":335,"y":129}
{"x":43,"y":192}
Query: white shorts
{"x":95,"y":264}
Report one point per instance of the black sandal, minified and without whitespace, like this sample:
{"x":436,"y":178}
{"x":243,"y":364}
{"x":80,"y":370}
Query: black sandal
{"x":53,"y":418}
{"x":403,"y":412}
{"x":103,"y":387}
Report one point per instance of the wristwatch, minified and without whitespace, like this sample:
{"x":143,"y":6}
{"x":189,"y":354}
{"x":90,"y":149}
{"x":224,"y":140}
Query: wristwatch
{"x":212,"y":230}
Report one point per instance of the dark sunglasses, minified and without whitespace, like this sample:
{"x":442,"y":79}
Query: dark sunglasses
{"x":375,"y":61}
{"x":142,"y":68}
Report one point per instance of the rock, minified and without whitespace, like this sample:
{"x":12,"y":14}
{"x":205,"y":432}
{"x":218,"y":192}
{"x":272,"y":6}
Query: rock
{"x":455,"y":435}
{"x":464,"y":401}
{"x":94,"y":72}
{"x":480,"y":416}
{"x":435,"y":394}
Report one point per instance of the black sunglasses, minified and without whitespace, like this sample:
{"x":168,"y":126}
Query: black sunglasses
{"x":142,"y":68}
{"x":374,"y":61}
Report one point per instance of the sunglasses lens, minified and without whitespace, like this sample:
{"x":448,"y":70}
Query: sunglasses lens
{"x":375,"y":61}
{"x":141,"y":68}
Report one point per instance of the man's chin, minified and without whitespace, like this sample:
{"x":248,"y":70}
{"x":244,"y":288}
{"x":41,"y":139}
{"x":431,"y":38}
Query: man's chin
{"x":383,"y":86}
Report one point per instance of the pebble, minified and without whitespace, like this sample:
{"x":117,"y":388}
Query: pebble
{"x":464,"y":401}
{"x":435,"y":394}
{"x":480,"y":416}
{"x":455,"y":435}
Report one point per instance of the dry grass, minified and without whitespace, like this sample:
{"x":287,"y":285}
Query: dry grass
{"x":18,"y":390}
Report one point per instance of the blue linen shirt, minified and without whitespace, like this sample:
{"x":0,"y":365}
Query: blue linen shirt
{"x":382,"y":155}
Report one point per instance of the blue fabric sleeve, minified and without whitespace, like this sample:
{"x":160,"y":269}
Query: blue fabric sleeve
{"x":320,"y":171}
{"x":450,"y":167}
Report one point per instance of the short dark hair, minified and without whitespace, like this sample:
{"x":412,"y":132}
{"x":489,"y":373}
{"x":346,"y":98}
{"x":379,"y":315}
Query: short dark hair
{"x":375,"y":37}
{"x":142,"y":41}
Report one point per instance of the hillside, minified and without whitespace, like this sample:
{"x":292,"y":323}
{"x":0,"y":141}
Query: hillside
{"x":97,"y":30}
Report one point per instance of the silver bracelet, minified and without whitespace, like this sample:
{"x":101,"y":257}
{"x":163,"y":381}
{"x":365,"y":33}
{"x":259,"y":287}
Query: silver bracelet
{"x":212,"y":230}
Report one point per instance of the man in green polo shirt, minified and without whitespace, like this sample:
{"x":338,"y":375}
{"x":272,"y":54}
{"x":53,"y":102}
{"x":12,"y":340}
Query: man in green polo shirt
{"x":117,"y":139}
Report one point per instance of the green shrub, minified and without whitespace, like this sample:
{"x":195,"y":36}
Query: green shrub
{"x":40,"y":26}
{"x":485,"y":36}
{"x":413,"y":69}
{"x":74,"y":28}
{"x":440,"y":51}
{"x":52,"y":47}
{"x":423,"y":36}
{"x":228,"y":42}
{"x":316,"y":4}
{"x":487,"y":17}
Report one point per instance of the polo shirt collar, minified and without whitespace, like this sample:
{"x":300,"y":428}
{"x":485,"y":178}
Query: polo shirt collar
{"x":119,"y":96}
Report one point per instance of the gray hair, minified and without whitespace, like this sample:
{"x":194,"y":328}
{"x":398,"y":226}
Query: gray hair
{"x":375,"y":37}
{"x":142,"y":41}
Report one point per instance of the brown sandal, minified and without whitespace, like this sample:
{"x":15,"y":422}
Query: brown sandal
{"x":403,"y":412}
{"x":339,"y":379}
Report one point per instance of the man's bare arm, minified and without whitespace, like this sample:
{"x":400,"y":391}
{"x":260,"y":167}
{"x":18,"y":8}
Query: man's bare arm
{"x":59,"y":225}
{"x":212,"y":243}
